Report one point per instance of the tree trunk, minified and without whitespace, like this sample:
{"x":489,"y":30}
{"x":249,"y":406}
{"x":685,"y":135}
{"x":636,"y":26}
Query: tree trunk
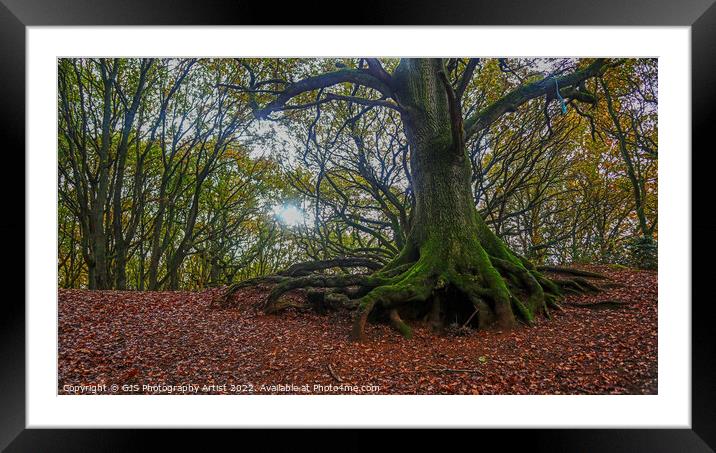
{"x":98,"y":235}
{"x":457,"y":265}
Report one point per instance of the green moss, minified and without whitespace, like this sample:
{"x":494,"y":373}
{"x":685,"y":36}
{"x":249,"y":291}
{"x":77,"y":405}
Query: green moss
{"x":405,"y":330}
{"x":456,"y":257}
{"x":523,"y":311}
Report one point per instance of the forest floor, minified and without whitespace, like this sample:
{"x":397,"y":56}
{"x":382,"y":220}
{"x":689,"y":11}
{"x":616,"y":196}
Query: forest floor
{"x":161,"y":342}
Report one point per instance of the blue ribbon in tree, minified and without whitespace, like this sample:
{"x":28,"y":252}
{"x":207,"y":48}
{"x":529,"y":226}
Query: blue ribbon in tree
{"x":561,"y":99}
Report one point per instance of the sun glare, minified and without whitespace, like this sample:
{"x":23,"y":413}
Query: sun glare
{"x":289,"y":215}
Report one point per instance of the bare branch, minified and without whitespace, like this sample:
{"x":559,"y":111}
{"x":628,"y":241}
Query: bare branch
{"x":364,"y":101}
{"x":363,"y":77}
{"x":376,"y":68}
{"x":466,"y":77}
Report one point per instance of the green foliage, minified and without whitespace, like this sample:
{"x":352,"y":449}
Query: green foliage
{"x":643,"y":253}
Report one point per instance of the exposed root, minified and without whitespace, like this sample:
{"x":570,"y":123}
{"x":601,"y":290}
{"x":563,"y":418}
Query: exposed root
{"x":398,"y":324}
{"x":493,"y":302}
{"x":394,"y":271}
{"x":224,"y":299}
{"x":303,"y":269}
{"x":321,"y":300}
{"x":528,"y":281}
{"x":322,"y":281}
{"x":361,"y":318}
{"x":288,"y":275}
{"x":435,"y":318}
{"x":602,"y":304}
{"x":551,"y":289}
{"x":552,"y":302}
{"x":412,"y":287}
{"x":572,"y":271}
{"x":525,"y":314}
{"x":479,"y":298}
{"x":481,"y":289}
{"x":578,"y":285}
{"x":589,"y":286}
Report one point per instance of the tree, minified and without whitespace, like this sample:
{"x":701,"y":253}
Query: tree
{"x":154,"y":170}
{"x":358,"y":189}
{"x":631,"y":106}
{"x":451,"y":263}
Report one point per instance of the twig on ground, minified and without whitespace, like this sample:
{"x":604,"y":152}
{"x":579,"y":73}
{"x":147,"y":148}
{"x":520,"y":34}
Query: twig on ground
{"x":333,"y":373}
{"x":470,"y":318}
{"x":453,"y":370}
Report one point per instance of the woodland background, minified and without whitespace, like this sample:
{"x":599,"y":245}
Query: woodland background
{"x":168,"y":181}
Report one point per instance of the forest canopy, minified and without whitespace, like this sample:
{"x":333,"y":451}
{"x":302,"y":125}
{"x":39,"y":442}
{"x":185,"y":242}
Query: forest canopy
{"x":190,"y":173}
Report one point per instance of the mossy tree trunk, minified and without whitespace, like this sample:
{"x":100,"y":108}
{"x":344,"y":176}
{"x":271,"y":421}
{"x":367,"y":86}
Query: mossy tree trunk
{"x":456,"y":257}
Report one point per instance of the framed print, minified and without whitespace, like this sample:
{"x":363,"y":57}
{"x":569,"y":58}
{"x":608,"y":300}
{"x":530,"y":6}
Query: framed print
{"x":390,"y":224}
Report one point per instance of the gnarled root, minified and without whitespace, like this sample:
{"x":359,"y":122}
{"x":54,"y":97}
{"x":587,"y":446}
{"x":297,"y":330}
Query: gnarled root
{"x":412,"y":287}
{"x":475,"y":288}
{"x":306,"y":268}
{"x":572,"y":271}
{"x":339,"y":283}
{"x":224,"y":299}
{"x":289,"y":276}
{"x":577,"y":285}
{"x":488,"y":291}
{"x":603,"y":304}
{"x":398,"y":324}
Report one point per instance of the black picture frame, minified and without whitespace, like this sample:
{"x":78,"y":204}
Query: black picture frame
{"x":16,"y":15}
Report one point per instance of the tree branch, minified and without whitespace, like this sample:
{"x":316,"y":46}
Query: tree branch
{"x":363,"y":77}
{"x":519,"y":96}
{"x":376,"y":68}
{"x":363,"y":101}
{"x":466,"y":77}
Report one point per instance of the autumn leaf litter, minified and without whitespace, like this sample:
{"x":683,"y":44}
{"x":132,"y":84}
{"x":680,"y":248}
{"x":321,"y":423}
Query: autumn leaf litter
{"x":164,"y":339}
